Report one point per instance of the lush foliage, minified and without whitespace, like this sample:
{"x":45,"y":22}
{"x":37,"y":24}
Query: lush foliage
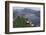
{"x":19,"y":22}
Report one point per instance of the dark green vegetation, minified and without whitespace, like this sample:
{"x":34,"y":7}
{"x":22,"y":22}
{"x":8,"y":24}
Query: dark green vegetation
{"x":19,"y":22}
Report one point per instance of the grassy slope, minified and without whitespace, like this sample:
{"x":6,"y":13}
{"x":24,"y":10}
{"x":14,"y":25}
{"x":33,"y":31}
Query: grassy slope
{"x":19,"y":22}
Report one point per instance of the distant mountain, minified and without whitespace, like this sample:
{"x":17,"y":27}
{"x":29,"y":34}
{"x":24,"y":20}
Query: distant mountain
{"x":24,"y":11}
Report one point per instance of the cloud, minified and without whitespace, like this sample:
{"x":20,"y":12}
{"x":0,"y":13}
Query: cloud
{"x":33,"y":8}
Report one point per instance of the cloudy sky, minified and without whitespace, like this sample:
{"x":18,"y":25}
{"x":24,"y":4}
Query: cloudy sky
{"x":33,"y":8}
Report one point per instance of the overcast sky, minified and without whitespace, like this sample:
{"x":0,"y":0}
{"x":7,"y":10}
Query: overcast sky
{"x":33,"y":8}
